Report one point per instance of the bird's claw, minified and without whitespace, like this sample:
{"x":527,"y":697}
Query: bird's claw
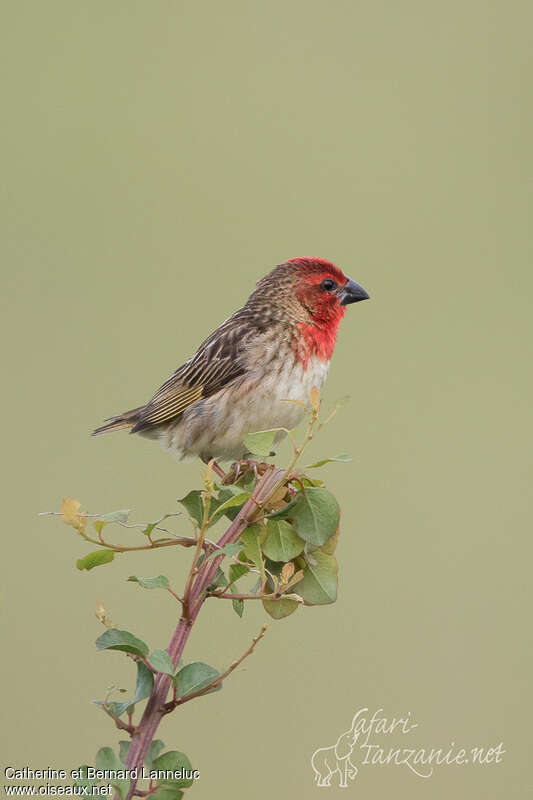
{"x":243,"y":467}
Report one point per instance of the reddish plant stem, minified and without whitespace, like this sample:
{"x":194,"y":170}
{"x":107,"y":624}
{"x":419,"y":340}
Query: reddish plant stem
{"x":154,"y":710}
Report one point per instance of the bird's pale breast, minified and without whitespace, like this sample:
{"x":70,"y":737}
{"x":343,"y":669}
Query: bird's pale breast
{"x":215,"y":427}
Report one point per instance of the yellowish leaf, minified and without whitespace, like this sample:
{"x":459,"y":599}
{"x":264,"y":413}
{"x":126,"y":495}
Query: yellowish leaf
{"x":287,"y":572}
{"x":70,"y":514}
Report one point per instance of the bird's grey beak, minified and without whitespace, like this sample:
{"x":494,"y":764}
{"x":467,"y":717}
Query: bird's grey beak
{"x":351,"y":292}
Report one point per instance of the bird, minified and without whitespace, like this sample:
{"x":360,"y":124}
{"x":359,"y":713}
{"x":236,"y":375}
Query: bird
{"x":242,"y":378}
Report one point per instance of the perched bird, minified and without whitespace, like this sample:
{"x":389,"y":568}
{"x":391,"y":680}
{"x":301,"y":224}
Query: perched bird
{"x":273,"y":349}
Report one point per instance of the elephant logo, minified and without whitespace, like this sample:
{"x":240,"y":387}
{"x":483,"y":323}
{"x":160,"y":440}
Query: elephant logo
{"x":326,"y":761}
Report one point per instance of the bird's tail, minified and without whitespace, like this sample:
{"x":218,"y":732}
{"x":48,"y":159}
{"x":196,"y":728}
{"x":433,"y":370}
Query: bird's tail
{"x":125,"y":420}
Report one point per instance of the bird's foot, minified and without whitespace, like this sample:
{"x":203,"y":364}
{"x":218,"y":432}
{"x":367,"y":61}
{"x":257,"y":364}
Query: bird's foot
{"x":244,"y":467}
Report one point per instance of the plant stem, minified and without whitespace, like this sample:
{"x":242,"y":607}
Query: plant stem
{"x":196,"y":595}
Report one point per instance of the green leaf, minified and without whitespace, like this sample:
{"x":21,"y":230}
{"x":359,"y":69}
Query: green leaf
{"x":143,"y":689}
{"x":227,"y":492}
{"x":116,"y":516}
{"x":251,"y":539}
{"x":95,"y":559}
{"x":234,"y":500}
{"x":237,"y":571}
{"x":113,"y":639}
{"x":315,"y":515}
{"x":151,"y":525}
{"x":83,"y":780}
{"x":260,"y":443}
{"x":312,"y":482}
{"x":284,"y":511}
{"x":194,"y":506}
{"x":229,"y":549}
{"x":193,"y":677}
{"x":219,"y":579}
{"x":160,"y":661}
{"x":123,"y":748}
{"x":166,"y":792}
{"x":282,"y":543}
{"x":319,"y":583}
{"x":238,"y":607}
{"x":159,"y":582}
{"x":343,"y":457}
{"x":155,"y":750}
{"x":175,"y":761}
{"x":192,"y":503}
{"x":106,"y":758}
{"x":278,"y":609}
{"x":330,"y":545}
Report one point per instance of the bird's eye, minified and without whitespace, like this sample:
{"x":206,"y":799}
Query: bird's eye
{"x":328,"y":285}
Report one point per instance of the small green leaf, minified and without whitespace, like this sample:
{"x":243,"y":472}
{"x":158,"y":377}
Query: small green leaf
{"x":319,"y":583}
{"x":194,"y":506}
{"x":229,"y":549}
{"x":234,"y":500}
{"x":343,"y":457}
{"x":278,"y":609}
{"x":123,"y":748}
{"x":282,"y":543}
{"x":116,"y":516}
{"x":330,"y":545}
{"x":95,"y":559}
{"x":238,"y":607}
{"x":220,"y":579}
{"x":251,"y":539}
{"x":143,"y":689}
{"x":160,"y":661}
{"x":159,"y":582}
{"x":192,"y":503}
{"x":175,"y":761}
{"x":284,"y":511}
{"x":193,"y":677}
{"x":312,"y":482}
{"x":98,"y":525}
{"x":113,"y":639}
{"x":315,"y":515}
{"x":83,"y":780}
{"x":149,"y":528}
{"x":166,"y":791}
{"x":155,"y":750}
{"x":106,"y":758}
{"x":260,"y":443}
{"x":151,"y":525}
{"x":237,"y":571}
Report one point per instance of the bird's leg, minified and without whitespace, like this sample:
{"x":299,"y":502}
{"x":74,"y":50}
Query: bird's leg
{"x":218,"y":470}
{"x":215,"y":467}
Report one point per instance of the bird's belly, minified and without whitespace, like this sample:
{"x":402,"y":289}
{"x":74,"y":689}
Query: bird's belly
{"x":216,"y":427}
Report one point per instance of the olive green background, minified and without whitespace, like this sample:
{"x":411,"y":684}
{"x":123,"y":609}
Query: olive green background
{"x":158,"y":158}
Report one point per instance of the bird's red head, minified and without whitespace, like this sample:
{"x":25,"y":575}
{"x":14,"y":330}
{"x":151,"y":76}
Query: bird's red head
{"x":307,"y":297}
{"x":324,"y":291}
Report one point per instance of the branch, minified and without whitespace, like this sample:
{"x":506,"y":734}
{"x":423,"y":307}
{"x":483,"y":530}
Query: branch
{"x":249,"y":596}
{"x":153,"y":711}
{"x":217,"y":681}
{"x":123,"y":726}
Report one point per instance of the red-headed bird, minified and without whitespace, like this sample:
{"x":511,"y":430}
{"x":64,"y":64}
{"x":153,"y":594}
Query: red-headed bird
{"x":273,"y":349}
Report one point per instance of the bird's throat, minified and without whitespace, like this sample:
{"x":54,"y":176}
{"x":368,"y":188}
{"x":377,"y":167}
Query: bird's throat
{"x":313,"y":341}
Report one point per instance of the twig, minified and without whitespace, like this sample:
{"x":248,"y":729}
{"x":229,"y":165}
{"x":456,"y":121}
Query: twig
{"x":248,"y":596}
{"x":141,"y":525}
{"x":123,"y":726}
{"x":216,"y":681}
